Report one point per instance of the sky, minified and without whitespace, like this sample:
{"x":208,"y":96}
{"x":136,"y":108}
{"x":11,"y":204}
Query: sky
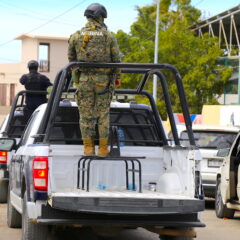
{"x":61,"y":17}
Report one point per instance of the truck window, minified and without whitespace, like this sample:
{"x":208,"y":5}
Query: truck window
{"x":2,"y":124}
{"x":29,"y":128}
{"x":210,"y":139}
{"x":138,"y":126}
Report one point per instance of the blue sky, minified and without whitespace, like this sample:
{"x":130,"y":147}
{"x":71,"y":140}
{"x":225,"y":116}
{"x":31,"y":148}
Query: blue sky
{"x":24,"y":16}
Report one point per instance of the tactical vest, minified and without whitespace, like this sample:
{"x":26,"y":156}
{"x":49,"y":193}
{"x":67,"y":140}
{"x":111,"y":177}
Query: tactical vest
{"x":33,"y":82}
{"x":93,"y":45}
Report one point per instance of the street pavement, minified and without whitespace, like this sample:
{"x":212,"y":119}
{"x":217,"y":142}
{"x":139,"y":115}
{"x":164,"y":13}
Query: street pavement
{"x":216,"y":229}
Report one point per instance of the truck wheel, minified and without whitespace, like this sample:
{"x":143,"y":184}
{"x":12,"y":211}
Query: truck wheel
{"x":3,"y":191}
{"x":14,"y":219}
{"x":221,"y":209}
{"x":32,"y":231}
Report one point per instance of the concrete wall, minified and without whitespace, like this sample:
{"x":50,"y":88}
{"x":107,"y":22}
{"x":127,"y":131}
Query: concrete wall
{"x":29,"y":50}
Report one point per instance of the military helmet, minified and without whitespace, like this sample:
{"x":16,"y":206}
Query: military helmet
{"x":33,"y":64}
{"x":95,"y":10}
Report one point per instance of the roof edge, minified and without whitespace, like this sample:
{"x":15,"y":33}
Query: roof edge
{"x":41,"y":36}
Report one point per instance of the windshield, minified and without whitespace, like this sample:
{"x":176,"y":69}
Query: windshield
{"x":207,"y":139}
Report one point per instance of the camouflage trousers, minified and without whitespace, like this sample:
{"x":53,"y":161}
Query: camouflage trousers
{"x":93,"y":97}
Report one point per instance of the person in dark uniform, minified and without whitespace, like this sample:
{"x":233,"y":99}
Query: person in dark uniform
{"x":34,"y":81}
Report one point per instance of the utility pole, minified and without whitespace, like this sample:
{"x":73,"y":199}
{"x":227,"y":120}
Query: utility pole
{"x":156,"y":51}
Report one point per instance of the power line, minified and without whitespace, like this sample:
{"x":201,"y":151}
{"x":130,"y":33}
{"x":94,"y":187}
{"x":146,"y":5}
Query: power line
{"x":58,"y":16}
{"x":49,"y":21}
{"x":29,"y":13}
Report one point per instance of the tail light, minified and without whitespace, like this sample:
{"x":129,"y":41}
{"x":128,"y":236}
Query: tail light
{"x":3,"y":156}
{"x":40,"y":173}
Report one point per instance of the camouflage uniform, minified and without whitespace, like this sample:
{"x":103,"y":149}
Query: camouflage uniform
{"x":94,"y":85}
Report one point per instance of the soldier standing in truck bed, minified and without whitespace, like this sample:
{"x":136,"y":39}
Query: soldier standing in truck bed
{"x":94,"y":43}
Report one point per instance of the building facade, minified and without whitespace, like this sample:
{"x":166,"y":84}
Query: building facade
{"x":49,"y":51}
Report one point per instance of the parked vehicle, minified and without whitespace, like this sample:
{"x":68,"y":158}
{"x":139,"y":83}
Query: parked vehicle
{"x":12,"y":127}
{"x":144,"y":182}
{"x":210,"y":139}
{"x":227,"y":199}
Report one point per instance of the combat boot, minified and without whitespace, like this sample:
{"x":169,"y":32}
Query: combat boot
{"x":89,"y":148}
{"x":103,"y":147}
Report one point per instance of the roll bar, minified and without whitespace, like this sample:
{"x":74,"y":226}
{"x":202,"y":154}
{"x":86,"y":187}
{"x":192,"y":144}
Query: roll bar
{"x":145,"y":68}
{"x":15,"y":105}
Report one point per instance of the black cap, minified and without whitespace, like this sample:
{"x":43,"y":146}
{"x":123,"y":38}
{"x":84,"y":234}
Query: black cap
{"x":33,"y":64}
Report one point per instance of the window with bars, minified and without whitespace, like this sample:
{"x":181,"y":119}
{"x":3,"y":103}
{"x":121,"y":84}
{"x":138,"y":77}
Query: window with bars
{"x":44,"y":57}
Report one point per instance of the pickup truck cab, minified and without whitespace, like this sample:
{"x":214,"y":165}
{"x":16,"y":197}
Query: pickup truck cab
{"x":227,"y":199}
{"x":144,"y":182}
{"x":12,"y":127}
{"x":210,"y":139}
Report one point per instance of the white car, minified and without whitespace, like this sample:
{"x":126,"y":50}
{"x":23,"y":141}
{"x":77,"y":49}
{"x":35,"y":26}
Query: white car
{"x":210,"y":139}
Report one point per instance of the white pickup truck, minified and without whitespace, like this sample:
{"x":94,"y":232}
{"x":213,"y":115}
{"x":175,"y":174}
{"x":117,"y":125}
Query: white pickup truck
{"x":13,"y":127}
{"x":143,"y":183}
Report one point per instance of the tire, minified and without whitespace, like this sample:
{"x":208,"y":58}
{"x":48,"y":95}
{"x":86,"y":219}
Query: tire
{"x":14,"y":218}
{"x":32,"y":231}
{"x":3,"y":191}
{"x":221,"y":209}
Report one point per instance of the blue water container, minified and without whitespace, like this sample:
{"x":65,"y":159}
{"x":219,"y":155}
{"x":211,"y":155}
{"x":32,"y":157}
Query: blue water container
{"x":121,"y":137}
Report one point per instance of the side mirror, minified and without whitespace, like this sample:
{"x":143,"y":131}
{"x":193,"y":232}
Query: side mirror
{"x":223,"y":152}
{"x":7,"y":144}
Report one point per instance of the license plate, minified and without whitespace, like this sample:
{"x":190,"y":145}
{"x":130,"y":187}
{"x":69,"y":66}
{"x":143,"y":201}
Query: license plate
{"x":214,"y":163}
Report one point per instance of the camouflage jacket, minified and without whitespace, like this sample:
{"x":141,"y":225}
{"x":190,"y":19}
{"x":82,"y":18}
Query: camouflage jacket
{"x":94,"y":43}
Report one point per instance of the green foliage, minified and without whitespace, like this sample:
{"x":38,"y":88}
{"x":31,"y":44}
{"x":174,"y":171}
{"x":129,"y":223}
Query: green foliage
{"x":195,"y":58}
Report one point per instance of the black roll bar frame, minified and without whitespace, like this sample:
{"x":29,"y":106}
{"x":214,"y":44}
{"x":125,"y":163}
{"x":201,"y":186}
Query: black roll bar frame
{"x":147,"y":68}
{"x":15,"y":105}
{"x":168,"y":103}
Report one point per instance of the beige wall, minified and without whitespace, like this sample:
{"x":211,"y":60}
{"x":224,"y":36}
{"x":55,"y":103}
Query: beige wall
{"x":9,"y":74}
{"x":211,"y":114}
{"x":29,"y":50}
{"x":221,"y":115}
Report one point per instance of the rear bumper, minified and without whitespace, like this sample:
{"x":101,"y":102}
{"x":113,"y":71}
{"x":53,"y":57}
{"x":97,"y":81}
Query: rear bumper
{"x":127,"y":205}
{"x":53,"y":216}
